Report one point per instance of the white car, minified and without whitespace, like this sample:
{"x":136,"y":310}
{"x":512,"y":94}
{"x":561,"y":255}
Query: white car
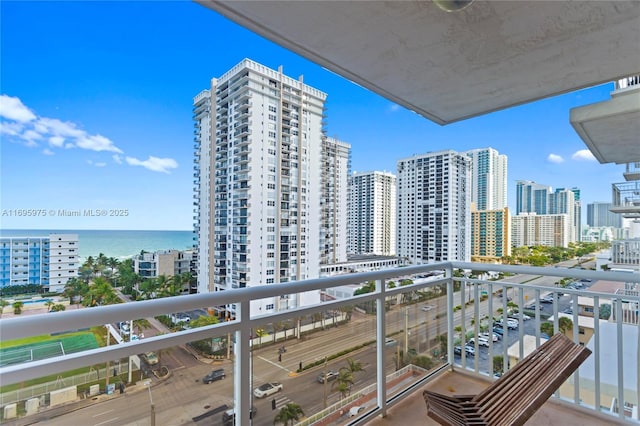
{"x":426,"y":308}
{"x":482,"y":341}
{"x":267,"y":389}
{"x":493,"y":337}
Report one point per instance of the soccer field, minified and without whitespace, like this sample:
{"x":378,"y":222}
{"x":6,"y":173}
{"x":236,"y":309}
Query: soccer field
{"x":47,"y":349}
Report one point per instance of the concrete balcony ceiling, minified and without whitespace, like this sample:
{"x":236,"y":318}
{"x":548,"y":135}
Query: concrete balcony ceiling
{"x":611,"y":129}
{"x":449,"y":66}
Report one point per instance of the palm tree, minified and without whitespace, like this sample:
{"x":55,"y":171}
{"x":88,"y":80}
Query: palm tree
{"x":565,"y":325}
{"x":289,"y":414}
{"x":75,"y":289}
{"x":353,"y":366}
{"x":17,"y":307}
{"x":58,"y":307}
{"x":49,"y":304}
{"x":343,"y":382}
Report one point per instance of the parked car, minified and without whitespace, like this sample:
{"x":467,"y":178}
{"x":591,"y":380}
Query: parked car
{"x":229,"y":416}
{"x":390,"y":342}
{"x":218,"y":374}
{"x":354,"y":411}
{"x":180,"y":317}
{"x":482,"y":341}
{"x":493,"y":336}
{"x":329,"y":376}
{"x":150,"y":358}
{"x":123,"y":326}
{"x":498,"y":330}
{"x":511,"y":324}
{"x":547,"y":299}
{"x":267,"y":389}
{"x":470,"y":350}
{"x":457,"y":350}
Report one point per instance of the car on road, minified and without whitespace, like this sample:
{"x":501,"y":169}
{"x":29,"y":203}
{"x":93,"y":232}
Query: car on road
{"x":229,"y":416}
{"x":390,"y":342}
{"x":180,"y":317}
{"x":427,"y":308}
{"x":547,"y":299}
{"x":218,"y":374}
{"x":267,"y":389}
{"x":329,"y":376}
{"x":150,"y":358}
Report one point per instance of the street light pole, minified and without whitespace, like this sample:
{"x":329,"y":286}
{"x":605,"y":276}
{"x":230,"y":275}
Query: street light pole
{"x":153,"y":408}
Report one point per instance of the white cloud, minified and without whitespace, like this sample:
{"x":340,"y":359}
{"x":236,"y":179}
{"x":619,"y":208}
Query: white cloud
{"x":394,"y":108}
{"x":155,"y":164}
{"x":28,"y":128}
{"x":10,"y":129}
{"x":117,"y":158}
{"x":13,"y":109}
{"x":57,"y":141}
{"x":101,"y":164}
{"x":97,"y":143}
{"x":47,"y":151}
{"x":583,"y":155}
{"x":555,"y":158}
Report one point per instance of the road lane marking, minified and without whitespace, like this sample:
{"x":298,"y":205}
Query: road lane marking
{"x":274,"y":363}
{"x":101,"y":414}
{"x":107,"y":421}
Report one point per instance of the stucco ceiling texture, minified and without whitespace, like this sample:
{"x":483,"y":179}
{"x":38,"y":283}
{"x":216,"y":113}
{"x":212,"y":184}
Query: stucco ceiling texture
{"x":452,"y":66}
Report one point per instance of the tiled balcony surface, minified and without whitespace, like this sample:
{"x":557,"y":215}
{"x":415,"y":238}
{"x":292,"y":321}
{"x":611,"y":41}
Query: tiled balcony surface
{"x":413,"y":410}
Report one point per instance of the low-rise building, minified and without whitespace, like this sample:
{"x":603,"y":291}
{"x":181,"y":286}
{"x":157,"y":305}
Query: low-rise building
{"x":47,"y":261}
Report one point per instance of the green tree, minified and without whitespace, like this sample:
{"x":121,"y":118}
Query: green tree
{"x":498,"y":364}
{"x":75,"y":289}
{"x":547,"y":328}
{"x":100,"y":293}
{"x":354,"y":366}
{"x":343,"y":382}
{"x":3,"y":303}
{"x":17,"y":307}
{"x":49,"y":304}
{"x":565,"y":325}
{"x":289,"y":414}
{"x":58,"y":307}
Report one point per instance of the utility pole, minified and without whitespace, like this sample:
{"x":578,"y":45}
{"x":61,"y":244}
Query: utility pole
{"x":324,"y":386}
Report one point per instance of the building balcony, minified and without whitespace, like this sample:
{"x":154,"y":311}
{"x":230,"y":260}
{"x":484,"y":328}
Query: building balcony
{"x":626,"y":199}
{"x":405,"y":337}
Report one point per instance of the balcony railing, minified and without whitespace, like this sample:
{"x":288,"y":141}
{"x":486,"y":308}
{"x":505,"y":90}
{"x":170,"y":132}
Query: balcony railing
{"x":432,"y":316}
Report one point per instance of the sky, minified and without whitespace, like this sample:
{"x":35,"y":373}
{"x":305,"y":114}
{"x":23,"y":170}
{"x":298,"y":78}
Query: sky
{"x":96,"y":116}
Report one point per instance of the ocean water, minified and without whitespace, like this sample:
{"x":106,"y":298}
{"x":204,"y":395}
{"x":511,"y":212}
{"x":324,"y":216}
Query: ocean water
{"x":118,"y":244}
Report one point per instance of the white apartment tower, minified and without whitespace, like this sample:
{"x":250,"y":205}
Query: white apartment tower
{"x":434,"y":207}
{"x":488,"y":179}
{"x":336,"y":164}
{"x":372,"y":213}
{"x":258,"y":178}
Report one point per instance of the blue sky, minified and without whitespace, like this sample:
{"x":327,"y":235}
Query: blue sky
{"x":96,"y":114}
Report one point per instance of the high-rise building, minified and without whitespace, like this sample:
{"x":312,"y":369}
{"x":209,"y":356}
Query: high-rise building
{"x":490,"y":234}
{"x":490,"y":228}
{"x":259,"y":138}
{"x":336,"y":165}
{"x":598,"y":215}
{"x":372,"y":213}
{"x":531,"y":229}
{"x":531,"y":197}
{"x":434,"y":207}
{"x":563,"y":201}
{"x":488,"y":179}
{"x":47,"y":261}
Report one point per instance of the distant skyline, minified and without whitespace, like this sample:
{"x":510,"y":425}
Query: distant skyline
{"x":96,"y":115}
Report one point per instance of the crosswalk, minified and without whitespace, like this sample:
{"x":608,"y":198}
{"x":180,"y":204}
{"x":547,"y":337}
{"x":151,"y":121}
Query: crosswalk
{"x":281,"y":401}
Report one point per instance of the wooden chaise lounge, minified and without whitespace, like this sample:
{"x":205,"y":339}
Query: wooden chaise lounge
{"x":514,"y":397}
